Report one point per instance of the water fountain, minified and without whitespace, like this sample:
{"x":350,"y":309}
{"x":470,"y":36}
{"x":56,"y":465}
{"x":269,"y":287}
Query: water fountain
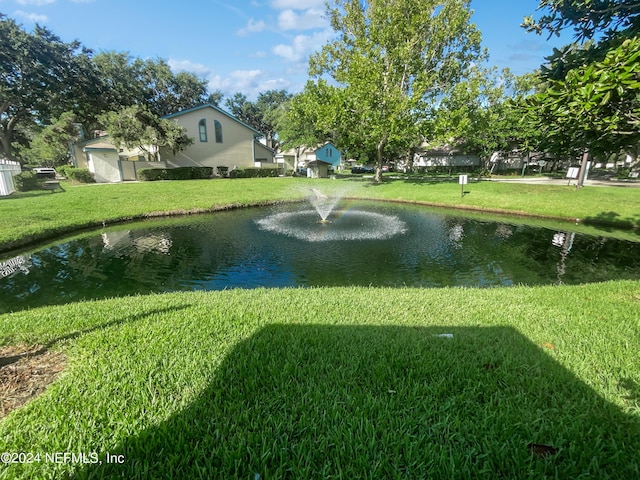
{"x":328,"y":223}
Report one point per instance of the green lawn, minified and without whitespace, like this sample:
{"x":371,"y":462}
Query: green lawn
{"x":330,"y":382}
{"x":338,"y":383}
{"x":33,"y":216}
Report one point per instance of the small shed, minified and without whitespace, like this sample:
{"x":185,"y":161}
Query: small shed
{"x":8,"y":169}
{"x":318,"y":169}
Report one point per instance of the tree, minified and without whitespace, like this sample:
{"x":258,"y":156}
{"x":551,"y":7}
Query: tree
{"x":591,"y":103}
{"x":262,"y":114}
{"x":392,"y":61}
{"x":166,"y":93}
{"x":136,"y":126}
{"x":215,"y":98}
{"x":588,"y":18}
{"x":483,"y":113}
{"x":50,"y":147}
{"x":299,"y":125}
{"x":126,"y":81}
{"x":40,"y":77}
{"x":596,"y":108}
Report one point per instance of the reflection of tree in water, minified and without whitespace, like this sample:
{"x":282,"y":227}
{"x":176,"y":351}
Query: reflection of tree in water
{"x":228,"y":249}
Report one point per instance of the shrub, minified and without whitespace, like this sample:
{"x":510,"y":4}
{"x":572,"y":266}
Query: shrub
{"x":152,"y":174}
{"x":222,"y":171}
{"x":181,"y":173}
{"x":253,"y":172}
{"x":82,"y":175}
{"x":65,"y":170}
{"x":26,"y":181}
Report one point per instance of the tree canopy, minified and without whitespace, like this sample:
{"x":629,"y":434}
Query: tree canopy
{"x":591,"y":102}
{"x":137,"y":126}
{"x":391,"y":61}
{"x":263,"y":114}
{"x":41,"y":77}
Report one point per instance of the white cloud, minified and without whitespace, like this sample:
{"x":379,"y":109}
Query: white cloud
{"x":307,"y":20}
{"x":249,"y":82}
{"x":36,"y":3}
{"x":188,"y":66}
{"x":302,"y":46}
{"x":297,"y":4}
{"x":31,"y":17}
{"x":252,"y":27}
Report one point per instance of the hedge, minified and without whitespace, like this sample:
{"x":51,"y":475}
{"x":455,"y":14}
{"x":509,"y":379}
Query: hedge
{"x":181,"y":173}
{"x":253,"y":172}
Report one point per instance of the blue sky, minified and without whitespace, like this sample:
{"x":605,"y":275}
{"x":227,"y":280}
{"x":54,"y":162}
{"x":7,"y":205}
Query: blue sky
{"x":249,"y":46}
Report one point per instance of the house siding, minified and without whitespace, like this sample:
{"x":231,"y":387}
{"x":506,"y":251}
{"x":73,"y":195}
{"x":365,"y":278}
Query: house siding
{"x":105,"y":166}
{"x":236,"y":149}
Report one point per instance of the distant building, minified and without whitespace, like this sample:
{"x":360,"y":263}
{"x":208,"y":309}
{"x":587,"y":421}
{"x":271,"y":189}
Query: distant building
{"x":320,"y":159}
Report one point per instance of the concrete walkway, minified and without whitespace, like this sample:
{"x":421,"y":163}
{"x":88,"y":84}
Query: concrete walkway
{"x":566,"y":181}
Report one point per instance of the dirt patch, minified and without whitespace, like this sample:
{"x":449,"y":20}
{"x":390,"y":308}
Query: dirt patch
{"x":26,"y":372}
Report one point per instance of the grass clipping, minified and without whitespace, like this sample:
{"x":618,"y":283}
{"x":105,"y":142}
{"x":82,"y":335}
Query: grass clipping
{"x":25,"y":373}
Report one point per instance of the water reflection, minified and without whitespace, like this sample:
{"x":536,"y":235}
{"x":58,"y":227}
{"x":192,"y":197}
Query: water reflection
{"x":230,"y":249}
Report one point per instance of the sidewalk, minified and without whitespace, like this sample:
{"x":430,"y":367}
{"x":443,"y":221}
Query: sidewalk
{"x":566,"y":181}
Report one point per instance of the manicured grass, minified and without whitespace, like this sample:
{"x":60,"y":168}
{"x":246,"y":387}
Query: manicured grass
{"x":338,"y":383}
{"x":35,"y":216}
{"x":330,"y":382}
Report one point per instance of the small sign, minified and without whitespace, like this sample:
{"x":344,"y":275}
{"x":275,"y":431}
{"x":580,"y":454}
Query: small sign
{"x":572,"y":172}
{"x":463,"y":179}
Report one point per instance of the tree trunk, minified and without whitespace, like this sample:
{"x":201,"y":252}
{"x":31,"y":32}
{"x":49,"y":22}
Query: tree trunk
{"x":582,"y":174}
{"x":5,"y":145}
{"x":379,"y":159}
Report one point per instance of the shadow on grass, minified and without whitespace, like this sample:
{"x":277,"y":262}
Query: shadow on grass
{"x":386,"y":402}
{"x":4,"y":361}
{"x":609,"y":221}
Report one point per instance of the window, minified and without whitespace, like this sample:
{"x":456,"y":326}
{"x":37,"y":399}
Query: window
{"x":218,"y":129}
{"x":202,"y":129}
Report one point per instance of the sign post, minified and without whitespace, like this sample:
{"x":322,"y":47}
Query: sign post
{"x":463,"y":180}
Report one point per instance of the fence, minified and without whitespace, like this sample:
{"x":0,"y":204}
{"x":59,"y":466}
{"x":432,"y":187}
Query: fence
{"x":7,"y":171}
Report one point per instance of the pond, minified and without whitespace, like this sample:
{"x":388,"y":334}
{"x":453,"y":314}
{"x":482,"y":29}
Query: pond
{"x":365,"y":243}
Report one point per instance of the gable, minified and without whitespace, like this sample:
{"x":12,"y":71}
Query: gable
{"x":210,"y":110}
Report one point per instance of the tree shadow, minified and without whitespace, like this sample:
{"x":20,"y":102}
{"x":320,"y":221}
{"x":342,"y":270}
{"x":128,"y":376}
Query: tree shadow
{"x":609,"y":221}
{"x":4,"y":361}
{"x":321,"y":401}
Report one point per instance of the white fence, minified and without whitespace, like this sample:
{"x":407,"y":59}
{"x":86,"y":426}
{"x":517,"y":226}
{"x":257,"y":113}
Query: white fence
{"x":8,"y":170}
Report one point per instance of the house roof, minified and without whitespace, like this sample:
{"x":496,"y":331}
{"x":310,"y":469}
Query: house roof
{"x":100,"y":146}
{"x":218,"y":109}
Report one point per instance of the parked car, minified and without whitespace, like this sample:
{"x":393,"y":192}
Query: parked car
{"x":45,"y":172}
{"x":363,"y":169}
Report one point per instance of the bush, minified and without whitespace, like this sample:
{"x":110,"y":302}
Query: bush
{"x":26,"y":181}
{"x":65,"y":170}
{"x":80,"y":175}
{"x":182,"y":173}
{"x":253,"y":172}
{"x":152,"y":174}
{"x":222,"y":171}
